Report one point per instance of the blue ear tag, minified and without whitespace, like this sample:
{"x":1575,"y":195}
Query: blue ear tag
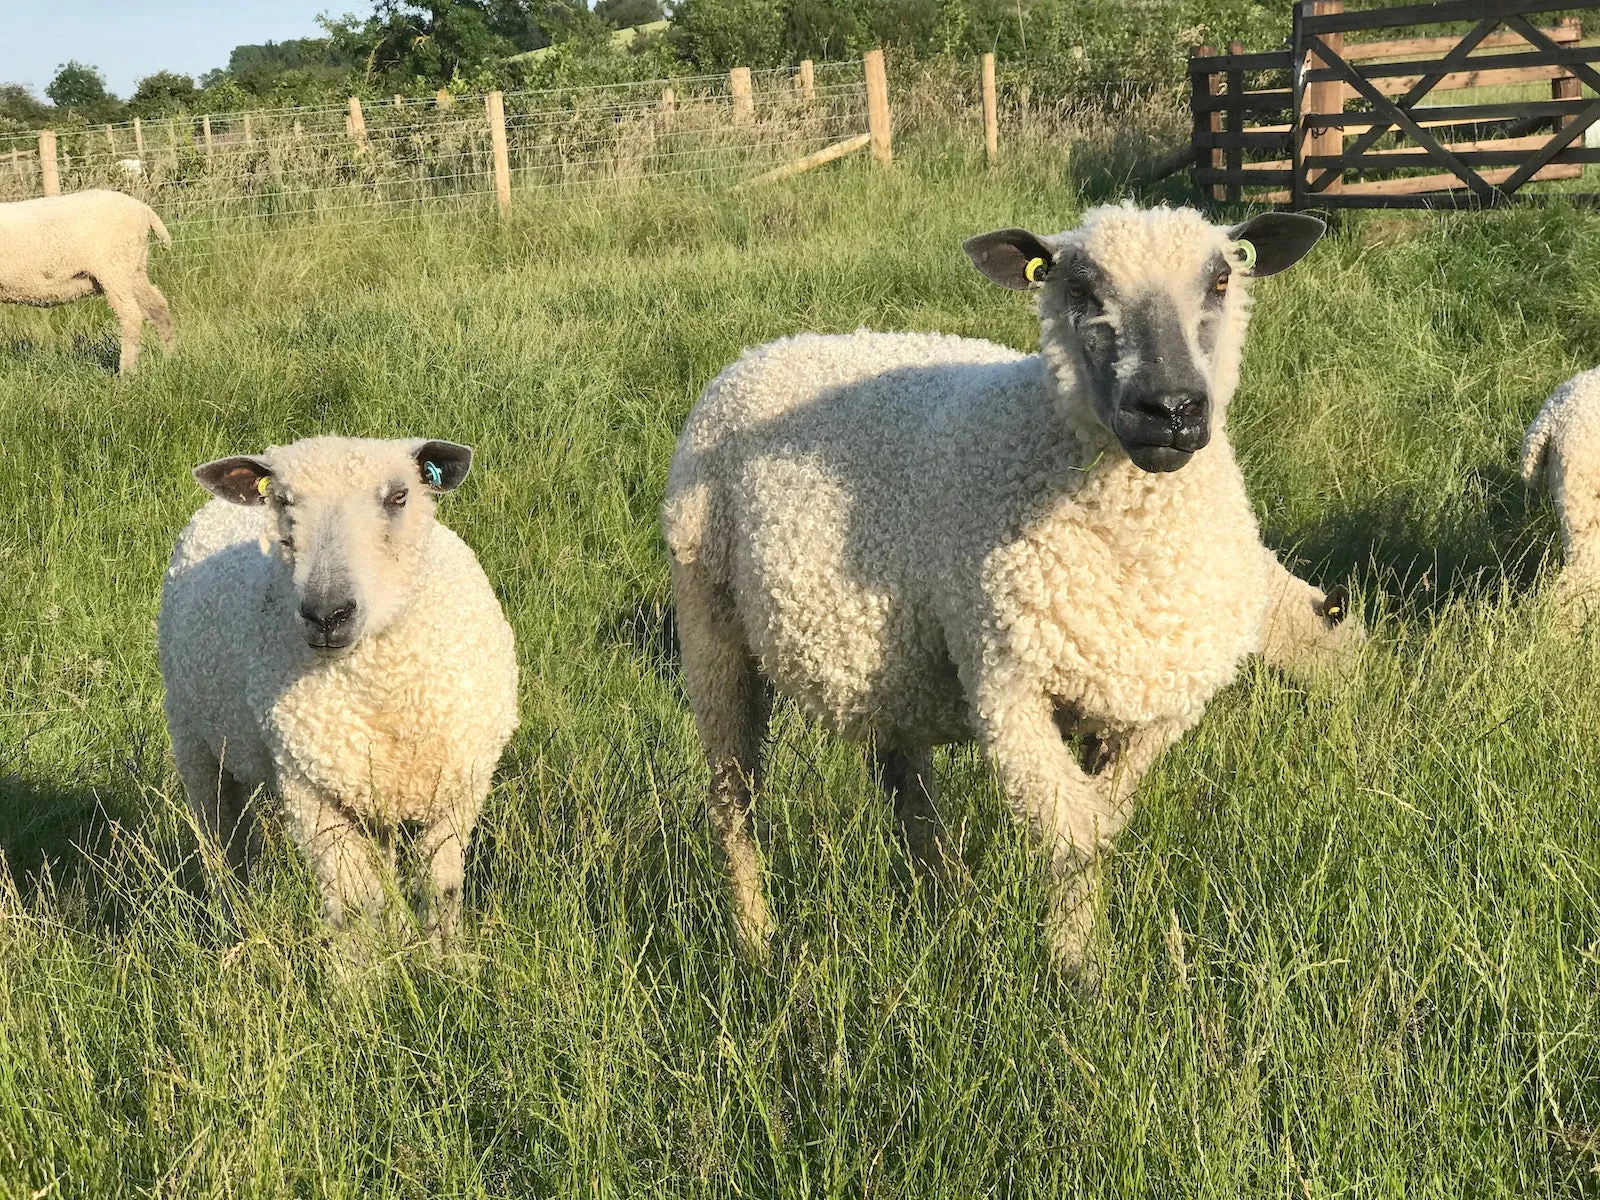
{"x":432,"y":473}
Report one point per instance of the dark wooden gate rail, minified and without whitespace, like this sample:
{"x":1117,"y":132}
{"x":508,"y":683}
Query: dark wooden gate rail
{"x":1296,"y":111}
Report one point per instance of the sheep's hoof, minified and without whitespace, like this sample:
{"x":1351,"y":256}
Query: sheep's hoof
{"x":1070,"y":927}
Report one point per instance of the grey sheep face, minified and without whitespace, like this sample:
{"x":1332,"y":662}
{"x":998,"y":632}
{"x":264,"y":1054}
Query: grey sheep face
{"x":1143,"y":307}
{"x":349,"y":520}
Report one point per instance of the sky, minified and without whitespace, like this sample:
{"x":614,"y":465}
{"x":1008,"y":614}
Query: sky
{"x":130,"y":38}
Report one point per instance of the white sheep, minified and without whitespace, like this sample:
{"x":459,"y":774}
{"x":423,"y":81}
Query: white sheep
{"x":925,"y":539}
{"x":57,"y":249}
{"x":1563,"y":442}
{"x":324,"y":638}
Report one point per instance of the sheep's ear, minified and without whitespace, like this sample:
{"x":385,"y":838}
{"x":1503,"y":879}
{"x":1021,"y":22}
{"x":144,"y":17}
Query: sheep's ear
{"x":240,"y":480}
{"x":1013,"y":258}
{"x":1280,"y":240}
{"x":443,"y":465}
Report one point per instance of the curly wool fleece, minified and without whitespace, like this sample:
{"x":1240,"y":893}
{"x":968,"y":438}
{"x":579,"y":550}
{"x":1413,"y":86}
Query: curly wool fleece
{"x":928,"y":539}
{"x":408,"y":725}
{"x":1563,"y":442}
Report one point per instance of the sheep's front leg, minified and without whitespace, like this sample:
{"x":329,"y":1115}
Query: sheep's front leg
{"x":907,"y":776}
{"x":1306,"y":629}
{"x":1047,"y":789}
{"x":345,"y":861}
{"x":442,"y":858}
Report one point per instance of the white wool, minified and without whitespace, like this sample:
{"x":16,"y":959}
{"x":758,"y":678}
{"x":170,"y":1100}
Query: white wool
{"x":926,"y":539}
{"x":57,"y":249}
{"x":407,"y":726}
{"x":1564,"y":443}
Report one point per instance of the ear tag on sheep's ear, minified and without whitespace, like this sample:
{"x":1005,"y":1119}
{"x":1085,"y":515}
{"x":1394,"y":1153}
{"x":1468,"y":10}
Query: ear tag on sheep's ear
{"x":1035,"y":271}
{"x":1244,"y":254}
{"x":1333,"y":607}
{"x":262,"y":484}
{"x":433,"y":475}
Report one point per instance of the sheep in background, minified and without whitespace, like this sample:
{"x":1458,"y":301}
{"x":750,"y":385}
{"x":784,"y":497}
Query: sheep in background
{"x":57,"y":249}
{"x":1564,"y":443}
{"x":925,"y":539}
{"x":323,"y":637}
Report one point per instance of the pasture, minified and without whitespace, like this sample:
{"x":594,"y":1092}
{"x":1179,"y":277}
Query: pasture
{"x":1351,"y":940}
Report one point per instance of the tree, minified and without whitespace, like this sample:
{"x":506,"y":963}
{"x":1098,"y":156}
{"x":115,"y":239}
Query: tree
{"x":21,"y":107}
{"x":78,"y":85}
{"x":718,"y":34}
{"x":625,"y":14}
{"x":162,"y":94}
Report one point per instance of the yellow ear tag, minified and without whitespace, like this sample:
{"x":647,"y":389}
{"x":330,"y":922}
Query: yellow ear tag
{"x":261,"y":486}
{"x":1031,"y":271}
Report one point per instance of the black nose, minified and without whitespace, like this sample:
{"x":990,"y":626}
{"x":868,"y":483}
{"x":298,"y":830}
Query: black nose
{"x":1178,"y":409}
{"x":328,"y":624}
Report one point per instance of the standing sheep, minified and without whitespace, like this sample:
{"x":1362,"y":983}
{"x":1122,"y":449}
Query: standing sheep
{"x":1564,"y":443}
{"x":925,"y":539}
{"x":324,"y":638}
{"x":57,"y":249}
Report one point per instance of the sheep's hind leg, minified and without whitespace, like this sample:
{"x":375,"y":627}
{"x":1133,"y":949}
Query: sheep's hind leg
{"x":124,"y":303}
{"x":156,"y":311}
{"x":906,"y":774}
{"x":441,"y":854}
{"x":731,"y":709}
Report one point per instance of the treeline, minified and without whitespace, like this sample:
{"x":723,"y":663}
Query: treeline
{"x":414,"y":47}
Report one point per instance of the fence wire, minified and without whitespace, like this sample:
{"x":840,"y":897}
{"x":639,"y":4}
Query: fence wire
{"x":225,"y":169}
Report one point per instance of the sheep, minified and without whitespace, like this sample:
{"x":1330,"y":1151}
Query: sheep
{"x":324,"y":638}
{"x":925,"y":539}
{"x":62,"y":248}
{"x":1563,"y":443}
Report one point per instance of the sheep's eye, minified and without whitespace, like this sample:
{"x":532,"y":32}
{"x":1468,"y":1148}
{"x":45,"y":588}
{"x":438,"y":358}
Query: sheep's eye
{"x":396,"y":499}
{"x":1077,"y":291}
{"x":1219,"y":285}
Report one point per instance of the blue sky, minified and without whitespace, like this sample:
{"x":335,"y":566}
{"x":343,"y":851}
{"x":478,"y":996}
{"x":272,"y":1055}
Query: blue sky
{"x":130,"y":38}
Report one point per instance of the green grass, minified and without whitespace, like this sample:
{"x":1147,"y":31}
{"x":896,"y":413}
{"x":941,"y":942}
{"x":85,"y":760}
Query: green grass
{"x":1352,"y":936}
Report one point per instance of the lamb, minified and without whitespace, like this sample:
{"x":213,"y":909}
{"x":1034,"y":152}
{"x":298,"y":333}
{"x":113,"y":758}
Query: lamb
{"x":1563,"y":443}
{"x":63,"y":248}
{"x":925,"y":539}
{"x":324,"y":638}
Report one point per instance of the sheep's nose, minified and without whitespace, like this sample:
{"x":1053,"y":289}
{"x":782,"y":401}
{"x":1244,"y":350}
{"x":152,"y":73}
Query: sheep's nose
{"x":1179,"y":409}
{"x":328,"y":624}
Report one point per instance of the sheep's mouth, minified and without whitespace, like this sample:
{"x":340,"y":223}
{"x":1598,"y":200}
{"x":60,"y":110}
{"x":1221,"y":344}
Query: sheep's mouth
{"x":1158,"y":460}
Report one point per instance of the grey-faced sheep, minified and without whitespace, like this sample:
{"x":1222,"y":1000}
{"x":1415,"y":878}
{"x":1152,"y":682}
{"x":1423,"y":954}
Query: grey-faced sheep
{"x":925,"y":539}
{"x":57,"y":249}
{"x":1564,"y":443}
{"x":324,"y":638}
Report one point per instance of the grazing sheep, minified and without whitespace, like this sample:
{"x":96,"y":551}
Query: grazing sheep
{"x":57,"y":249}
{"x":1564,"y":442}
{"x":925,"y":539}
{"x":324,"y":638}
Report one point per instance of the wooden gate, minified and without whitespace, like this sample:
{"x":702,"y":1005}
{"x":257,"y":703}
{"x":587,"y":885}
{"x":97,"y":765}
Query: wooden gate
{"x":1348,"y":123}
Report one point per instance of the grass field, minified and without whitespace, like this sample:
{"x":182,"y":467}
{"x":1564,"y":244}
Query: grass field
{"x":1352,"y":935}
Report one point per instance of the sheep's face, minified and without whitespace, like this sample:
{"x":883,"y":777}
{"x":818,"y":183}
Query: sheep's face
{"x":349,"y":518}
{"x":1142,"y":312}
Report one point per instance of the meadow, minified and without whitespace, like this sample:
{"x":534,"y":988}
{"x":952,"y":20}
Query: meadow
{"x":1351,"y":937}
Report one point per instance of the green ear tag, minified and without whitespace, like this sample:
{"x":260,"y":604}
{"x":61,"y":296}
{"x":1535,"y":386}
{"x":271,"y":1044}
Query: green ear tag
{"x":261,"y":486}
{"x":1244,"y":254}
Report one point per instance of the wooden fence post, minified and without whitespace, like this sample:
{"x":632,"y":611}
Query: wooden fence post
{"x":991,"y":115}
{"x":138,"y":137}
{"x":399,"y":100}
{"x":494,"y":106}
{"x":111,"y":141}
{"x":1235,"y":123}
{"x":878,"y":106}
{"x":205,"y":129}
{"x":358,"y":125}
{"x":443,"y":99}
{"x":744,"y":104}
{"x":1323,"y":98}
{"x":1567,"y":87}
{"x":249,"y":131}
{"x":669,"y":101}
{"x":1207,"y":122}
{"x":48,"y":179}
{"x":808,"y":80}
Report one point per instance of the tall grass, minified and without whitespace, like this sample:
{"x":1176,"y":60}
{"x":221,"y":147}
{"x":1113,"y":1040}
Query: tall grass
{"x":1351,"y":942}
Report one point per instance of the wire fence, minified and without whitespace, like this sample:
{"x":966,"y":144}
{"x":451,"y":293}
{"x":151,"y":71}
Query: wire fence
{"x":219,"y":170}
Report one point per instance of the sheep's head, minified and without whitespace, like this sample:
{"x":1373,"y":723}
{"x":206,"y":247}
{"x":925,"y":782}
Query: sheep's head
{"x":1142,"y":313}
{"x":350,"y":519}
